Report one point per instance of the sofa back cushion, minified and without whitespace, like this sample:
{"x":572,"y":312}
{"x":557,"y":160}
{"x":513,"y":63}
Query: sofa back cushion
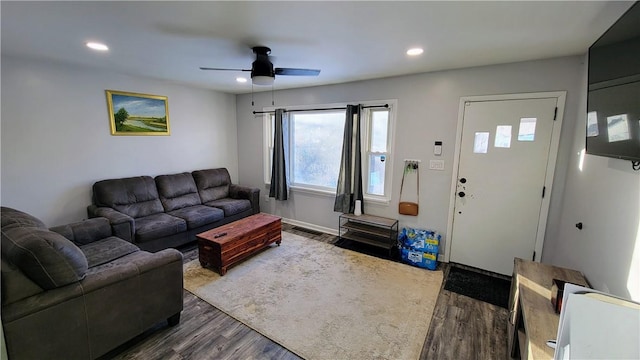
{"x":47,"y":258}
{"x":135,"y":196}
{"x":15,"y":218}
{"x":177,"y":191}
{"x":212,"y":184}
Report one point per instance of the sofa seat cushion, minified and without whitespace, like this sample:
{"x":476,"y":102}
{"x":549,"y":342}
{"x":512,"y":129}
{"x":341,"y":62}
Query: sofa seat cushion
{"x":198,"y":215}
{"x":231,"y":206}
{"x":158,"y":225}
{"x":106,"y":250}
{"x":49,"y":259}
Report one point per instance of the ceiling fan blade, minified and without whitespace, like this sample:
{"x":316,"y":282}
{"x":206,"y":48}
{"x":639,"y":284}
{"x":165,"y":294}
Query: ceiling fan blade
{"x":297,"y":72}
{"x":208,"y":68}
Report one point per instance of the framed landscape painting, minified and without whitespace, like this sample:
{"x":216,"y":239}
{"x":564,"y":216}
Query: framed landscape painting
{"x":138,"y":114}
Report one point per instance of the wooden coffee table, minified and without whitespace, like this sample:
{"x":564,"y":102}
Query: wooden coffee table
{"x":228,"y":244}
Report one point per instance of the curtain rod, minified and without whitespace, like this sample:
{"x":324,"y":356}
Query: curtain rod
{"x":335,"y":108}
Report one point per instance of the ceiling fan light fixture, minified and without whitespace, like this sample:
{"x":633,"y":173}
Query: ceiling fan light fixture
{"x":262,"y":80}
{"x":262,"y":71}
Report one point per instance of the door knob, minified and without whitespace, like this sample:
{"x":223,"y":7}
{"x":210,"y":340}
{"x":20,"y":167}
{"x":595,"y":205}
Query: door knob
{"x":461,"y":194}
{"x":463,"y":180}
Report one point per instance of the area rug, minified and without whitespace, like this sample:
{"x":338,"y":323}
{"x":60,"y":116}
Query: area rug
{"x":323,"y":302}
{"x":478,"y":286}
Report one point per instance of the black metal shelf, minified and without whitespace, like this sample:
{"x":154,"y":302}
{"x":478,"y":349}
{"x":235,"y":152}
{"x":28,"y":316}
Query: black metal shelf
{"x":368,"y":229}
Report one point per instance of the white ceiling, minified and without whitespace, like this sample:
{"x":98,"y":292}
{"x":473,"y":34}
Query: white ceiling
{"x":348,"y":41}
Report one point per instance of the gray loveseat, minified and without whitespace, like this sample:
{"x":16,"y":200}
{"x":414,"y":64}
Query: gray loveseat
{"x":169,"y":210}
{"x":77,"y":292}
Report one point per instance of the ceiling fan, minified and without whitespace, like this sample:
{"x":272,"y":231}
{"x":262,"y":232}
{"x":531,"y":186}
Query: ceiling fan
{"x":262,"y":70}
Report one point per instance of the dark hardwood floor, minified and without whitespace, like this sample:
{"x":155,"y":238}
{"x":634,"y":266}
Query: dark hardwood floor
{"x":465,"y":328}
{"x":461,"y":328}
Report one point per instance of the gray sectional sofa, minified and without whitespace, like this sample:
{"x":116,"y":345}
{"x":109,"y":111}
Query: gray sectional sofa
{"x":77,"y":291}
{"x":169,"y":210}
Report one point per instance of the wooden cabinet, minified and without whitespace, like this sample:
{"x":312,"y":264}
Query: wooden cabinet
{"x":532,"y":319}
{"x":368,"y":229}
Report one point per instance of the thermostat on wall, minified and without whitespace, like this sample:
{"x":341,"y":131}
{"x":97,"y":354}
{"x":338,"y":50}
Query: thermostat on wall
{"x":437,"y":148}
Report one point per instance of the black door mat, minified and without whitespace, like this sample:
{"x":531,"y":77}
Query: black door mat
{"x":478,"y":286}
{"x":368,"y":249}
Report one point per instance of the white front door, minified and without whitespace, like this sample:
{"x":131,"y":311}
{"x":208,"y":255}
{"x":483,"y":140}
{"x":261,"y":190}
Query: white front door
{"x":502,"y":169}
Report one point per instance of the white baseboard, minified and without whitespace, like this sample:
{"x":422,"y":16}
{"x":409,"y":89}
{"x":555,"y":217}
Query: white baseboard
{"x":309,"y":226}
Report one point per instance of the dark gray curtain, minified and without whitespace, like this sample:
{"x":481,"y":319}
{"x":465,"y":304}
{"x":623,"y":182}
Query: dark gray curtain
{"x":279,"y":185}
{"x":350,"y":179}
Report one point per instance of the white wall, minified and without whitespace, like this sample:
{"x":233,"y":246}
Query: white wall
{"x":56,"y":140}
{"x":427,"y":111}
{"x":603,"y":194}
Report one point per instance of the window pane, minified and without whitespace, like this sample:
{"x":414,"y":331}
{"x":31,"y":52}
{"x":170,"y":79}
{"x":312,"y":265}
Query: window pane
{"x":481,"y":143}
{"x":316,"y":148}
{"x":376,"y":174}
{"x":273,"y":130}
{"x":503,"y":136}
{"x":379,"y":127}
{"x":527,"y":130}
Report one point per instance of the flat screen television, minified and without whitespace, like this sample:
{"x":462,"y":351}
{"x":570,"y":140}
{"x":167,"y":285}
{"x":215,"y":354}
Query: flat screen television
{"x":613,"y":99}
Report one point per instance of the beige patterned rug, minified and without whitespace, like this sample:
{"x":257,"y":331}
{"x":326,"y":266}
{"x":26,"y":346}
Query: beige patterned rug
{"x":323,"y":302}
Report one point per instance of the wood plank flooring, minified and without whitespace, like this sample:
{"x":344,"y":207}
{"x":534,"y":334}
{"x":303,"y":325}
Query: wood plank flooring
{"x":461,"y":328}
{"x":465,"y":328}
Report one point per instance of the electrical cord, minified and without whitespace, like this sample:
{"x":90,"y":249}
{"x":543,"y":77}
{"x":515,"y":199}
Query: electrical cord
{"x":635,"y":165}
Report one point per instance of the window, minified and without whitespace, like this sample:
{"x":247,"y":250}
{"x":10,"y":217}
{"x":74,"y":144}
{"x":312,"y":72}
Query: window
{"x":315,"y":148}
{"x":377,"y":150}
{"x":314,"y":142}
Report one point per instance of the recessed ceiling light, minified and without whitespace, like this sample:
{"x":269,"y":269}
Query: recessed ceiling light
{"x":97,"y":46}
{"x":415,"y":51}
{"x":241,"y":80}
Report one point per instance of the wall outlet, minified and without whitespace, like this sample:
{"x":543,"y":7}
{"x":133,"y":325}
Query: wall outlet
{"x":436,"y":165}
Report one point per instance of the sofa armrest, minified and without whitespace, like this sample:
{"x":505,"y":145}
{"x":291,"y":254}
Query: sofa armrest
{"x":159,"y":259}
{"x":85,"y":232}
{"x":245,"y":192}
{"x":122,"y":225}
{"x":54,"y":297}
{"x":102,"y":277}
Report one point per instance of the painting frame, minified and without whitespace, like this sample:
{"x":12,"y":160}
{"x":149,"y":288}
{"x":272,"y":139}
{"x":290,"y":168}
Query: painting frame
{"x":136,"y":114}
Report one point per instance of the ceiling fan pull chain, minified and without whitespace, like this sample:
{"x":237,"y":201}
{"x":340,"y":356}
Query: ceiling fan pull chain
{"x":251,"y":94}
{"x":272,"y":102}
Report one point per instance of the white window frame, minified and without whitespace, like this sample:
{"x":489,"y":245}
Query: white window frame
{"x":365,"y":141}
{"x":366,"y":152}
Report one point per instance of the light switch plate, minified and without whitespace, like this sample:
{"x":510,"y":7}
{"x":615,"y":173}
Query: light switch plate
{"x":436,"y":165}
